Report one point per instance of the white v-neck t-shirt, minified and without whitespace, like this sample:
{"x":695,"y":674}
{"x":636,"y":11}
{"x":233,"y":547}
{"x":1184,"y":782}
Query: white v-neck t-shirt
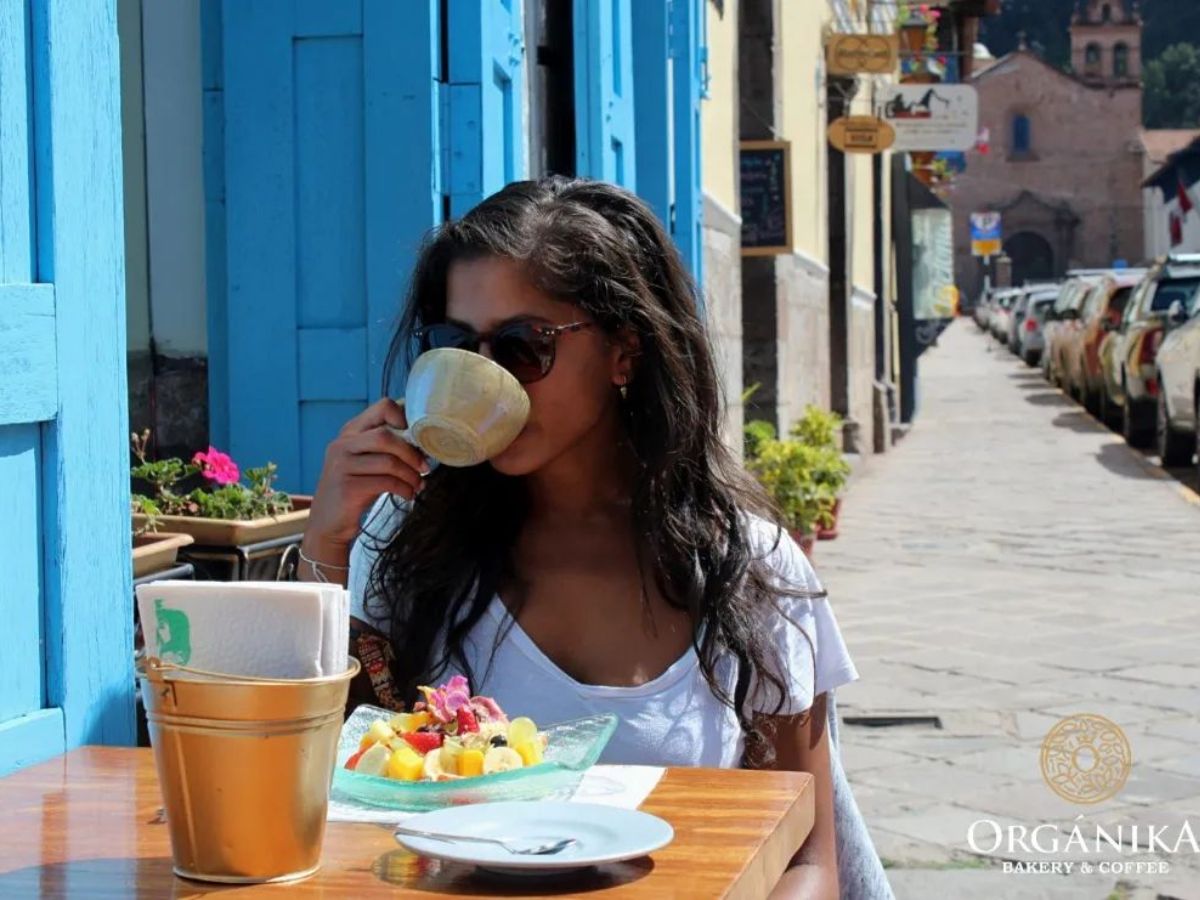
{"x":672,"y":720}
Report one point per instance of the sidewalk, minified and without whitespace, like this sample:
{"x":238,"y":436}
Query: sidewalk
{"x":1010,"y":563}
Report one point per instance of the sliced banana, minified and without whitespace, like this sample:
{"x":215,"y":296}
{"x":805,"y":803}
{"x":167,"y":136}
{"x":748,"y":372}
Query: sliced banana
{"x":433,"y":764}
{"x":501,"y":759}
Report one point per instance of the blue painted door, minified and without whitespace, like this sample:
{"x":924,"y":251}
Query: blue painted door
{"x":343,"y":137}
{"x":65,"y":595}
{"x":667,"y":50}
{"x":604,"y":91}
{"x":329,"y":178}
{"x":483,"y":134}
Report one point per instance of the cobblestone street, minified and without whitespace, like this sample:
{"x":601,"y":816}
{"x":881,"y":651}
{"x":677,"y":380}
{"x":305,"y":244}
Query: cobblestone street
{"x":1009,"y":563}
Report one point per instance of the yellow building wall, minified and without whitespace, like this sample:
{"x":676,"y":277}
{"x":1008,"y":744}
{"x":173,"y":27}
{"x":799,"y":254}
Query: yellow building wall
{"x":800,"y":90}
{"x":718,"y":113}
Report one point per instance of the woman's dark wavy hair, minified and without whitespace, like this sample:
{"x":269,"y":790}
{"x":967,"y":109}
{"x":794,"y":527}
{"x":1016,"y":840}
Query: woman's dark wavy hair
{"x":600,"y":248}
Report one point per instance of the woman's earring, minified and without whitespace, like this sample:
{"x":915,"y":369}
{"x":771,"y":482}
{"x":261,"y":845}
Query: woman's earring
{"x":624,"y":388}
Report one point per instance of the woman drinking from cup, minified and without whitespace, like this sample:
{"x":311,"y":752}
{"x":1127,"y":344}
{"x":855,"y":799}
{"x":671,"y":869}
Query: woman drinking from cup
{"x":613,"y":557}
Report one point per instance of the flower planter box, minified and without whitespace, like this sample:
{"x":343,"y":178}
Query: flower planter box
{"x":157,"y":551}
{"x":237,"y":532}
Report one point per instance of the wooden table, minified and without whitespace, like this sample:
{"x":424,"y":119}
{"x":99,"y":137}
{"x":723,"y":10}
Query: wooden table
{"x":87,"y":824}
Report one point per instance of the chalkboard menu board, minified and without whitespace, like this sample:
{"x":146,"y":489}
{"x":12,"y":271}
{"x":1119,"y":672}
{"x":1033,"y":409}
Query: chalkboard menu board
{"x":766,"y":197}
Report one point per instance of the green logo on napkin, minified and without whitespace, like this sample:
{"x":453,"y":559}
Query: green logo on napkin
{"x":173,"y":635}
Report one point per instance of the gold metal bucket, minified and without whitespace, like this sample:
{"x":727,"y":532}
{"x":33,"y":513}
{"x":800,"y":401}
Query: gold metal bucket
{"x":245,"y":765}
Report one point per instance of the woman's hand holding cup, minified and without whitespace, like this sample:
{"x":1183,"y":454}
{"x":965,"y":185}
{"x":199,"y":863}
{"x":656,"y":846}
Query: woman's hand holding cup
{"x":366,"y":459}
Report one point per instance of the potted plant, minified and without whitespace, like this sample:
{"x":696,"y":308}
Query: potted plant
{"x":220,"y":511}
{"x":821,"y":431}
{"x":785,"y":468}
{"x":918,"y":26}
{"x":153,"y":550}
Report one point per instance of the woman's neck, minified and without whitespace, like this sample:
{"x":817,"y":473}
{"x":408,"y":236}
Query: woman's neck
{"x":592,"y":480}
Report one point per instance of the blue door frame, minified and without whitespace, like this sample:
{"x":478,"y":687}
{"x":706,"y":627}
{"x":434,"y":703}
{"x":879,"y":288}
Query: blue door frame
{"x":66,"y":673}
{"x":644,"y":60}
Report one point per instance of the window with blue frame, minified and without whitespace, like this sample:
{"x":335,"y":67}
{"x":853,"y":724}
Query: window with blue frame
{"x":1022,"y":135}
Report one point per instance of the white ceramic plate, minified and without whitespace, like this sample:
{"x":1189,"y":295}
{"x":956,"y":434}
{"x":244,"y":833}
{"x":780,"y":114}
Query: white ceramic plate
{"x":604,"y":834}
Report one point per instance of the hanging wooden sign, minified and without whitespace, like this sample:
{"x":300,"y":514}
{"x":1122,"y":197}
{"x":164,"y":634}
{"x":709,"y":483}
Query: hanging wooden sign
{"x":861,"y":134}
{"x":861,"y":54}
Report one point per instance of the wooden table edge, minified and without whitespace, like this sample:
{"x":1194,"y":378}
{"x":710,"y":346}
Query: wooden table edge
{"x":684,"y":794}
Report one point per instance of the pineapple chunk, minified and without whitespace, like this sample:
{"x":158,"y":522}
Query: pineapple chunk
{"x":470,"y":763}
{"x":405,"y":764}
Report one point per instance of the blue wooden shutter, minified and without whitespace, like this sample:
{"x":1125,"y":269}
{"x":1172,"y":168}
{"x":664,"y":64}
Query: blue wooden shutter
{"x":687,"y":64}
{"x":483,"y":134}
{"x":65,"y":593}
{"x":330,"y":180}
{"x":667,"y":50}
{"x":604,"y":104}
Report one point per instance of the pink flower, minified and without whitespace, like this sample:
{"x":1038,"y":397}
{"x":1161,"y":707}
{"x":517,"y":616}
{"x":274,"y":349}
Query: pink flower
{"x":217,"y":466}
{"x":487,"y":709}
{"x":445,"y":701}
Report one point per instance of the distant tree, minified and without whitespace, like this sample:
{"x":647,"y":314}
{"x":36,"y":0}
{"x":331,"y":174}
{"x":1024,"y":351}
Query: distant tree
{"x":1169,"y":22}
{"x":1173,"y":88}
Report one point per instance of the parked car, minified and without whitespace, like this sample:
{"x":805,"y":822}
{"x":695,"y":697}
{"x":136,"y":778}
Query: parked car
{"x":1031,"y":341}
{"x":1177,"y":406}
{"x":983,"y":309}
{"x":1001,"y":312}
{"x":1101,"y":313}
{"x":1020,"y":311}
{"x":1131,"y":373}
{"x":1063,"y":320}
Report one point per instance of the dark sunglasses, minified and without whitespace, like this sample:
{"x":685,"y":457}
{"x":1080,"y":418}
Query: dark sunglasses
{"x":526,"y":349}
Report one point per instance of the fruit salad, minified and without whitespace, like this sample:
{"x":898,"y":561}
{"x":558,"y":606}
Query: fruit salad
{"x":448,"y":735}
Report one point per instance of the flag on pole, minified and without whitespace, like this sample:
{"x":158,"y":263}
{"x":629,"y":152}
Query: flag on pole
{"x":1176,"y":230}
{"x":1185,"y":197}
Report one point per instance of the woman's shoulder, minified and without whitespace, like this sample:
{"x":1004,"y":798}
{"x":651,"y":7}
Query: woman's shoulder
{"x":799,"y":622}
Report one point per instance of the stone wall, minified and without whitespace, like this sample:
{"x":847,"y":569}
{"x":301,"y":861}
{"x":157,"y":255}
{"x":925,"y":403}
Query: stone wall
{"x":723,"y":308}
{"x":170,"y":397}
{"x":803,"y":336}
{"x":862,"y":370}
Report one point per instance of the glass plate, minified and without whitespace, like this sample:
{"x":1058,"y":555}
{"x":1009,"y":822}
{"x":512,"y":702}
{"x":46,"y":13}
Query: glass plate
{"x":573,"y":748}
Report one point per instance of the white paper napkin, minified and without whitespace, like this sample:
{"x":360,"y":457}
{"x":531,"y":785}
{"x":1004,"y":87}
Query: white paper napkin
{"x":262,"y":629}
{"x":623,"y":786}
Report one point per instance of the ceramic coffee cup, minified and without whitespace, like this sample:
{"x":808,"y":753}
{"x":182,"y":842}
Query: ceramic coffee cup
{"x":462,"y":408}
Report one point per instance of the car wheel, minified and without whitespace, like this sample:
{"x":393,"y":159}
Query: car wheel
{"x":1031,"y":359}
{"x":1110,"y":414}
{"x":1091,"y":401}
{"x":1174,"y":449}
{"x":1133,"y":428}
{"x":1197,"y":447}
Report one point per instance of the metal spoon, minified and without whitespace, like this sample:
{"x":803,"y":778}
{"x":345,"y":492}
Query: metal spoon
{"x":517,"y":847}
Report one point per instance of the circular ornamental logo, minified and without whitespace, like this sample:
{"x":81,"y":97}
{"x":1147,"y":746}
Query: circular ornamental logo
{"x":1086,"y":758}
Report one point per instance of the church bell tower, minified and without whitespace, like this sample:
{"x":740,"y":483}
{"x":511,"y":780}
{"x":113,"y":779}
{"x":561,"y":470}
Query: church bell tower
{"x":1106,"y":42}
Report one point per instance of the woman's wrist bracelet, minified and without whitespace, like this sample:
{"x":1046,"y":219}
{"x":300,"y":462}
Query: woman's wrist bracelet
{"x":318,"y":566}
